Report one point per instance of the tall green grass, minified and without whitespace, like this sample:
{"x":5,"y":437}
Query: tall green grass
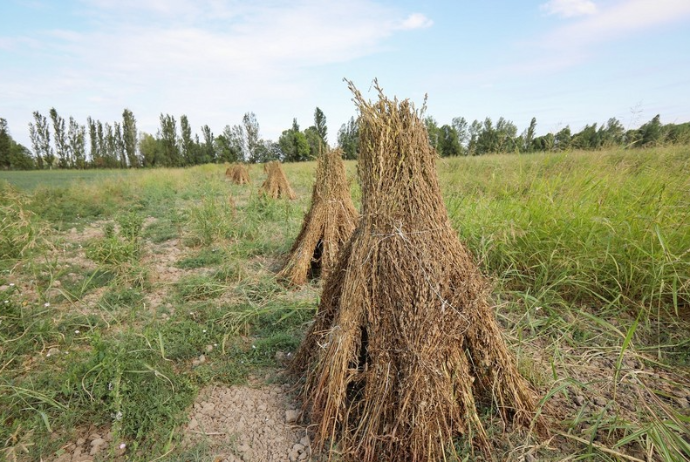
{"x":597,"y":228}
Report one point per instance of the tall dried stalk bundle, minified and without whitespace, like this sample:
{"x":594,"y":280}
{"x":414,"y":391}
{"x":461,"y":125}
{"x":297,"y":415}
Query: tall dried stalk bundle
{"x":238,"y":174}
{"x":405,"y":343}
{"x":276,"y":184}
{"x":326,"y":227}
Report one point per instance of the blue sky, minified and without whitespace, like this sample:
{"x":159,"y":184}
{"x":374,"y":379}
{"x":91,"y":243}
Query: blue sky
{"x":565,"y":62}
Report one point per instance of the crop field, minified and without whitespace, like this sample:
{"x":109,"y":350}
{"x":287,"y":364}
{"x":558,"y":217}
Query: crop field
{"x":128,"y":300}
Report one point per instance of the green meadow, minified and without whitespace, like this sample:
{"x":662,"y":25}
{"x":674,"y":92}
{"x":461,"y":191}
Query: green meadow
{"x":113,"y":283}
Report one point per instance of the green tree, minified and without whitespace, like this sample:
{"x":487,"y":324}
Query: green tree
{"x":254,"y":147}
{"x":505,"y":135}
{"x":187,"y":145}
{"x":316,"y":144}
{"x":320,"y":125}
{"x":651,"y":132}
{"x":5,"y":145}
{"x":76,"y":136}
{"x":587,"y":139}
{"x":40,"y":140}
{"x":93,"y":142}
{"x":448,"y":142}
{"x":348,"y":139}
{"x":487,"y":140}
{"x":208,"y":153}
{"x":151,"y":150}
{"x":293,"y":144}
{"x":129,"y":137}
{"x":432,"y":130}
{"x":528,"y":136}
{"x":60,"y":140}
{"x":170,"y":155}
{"x":473,"y":134}
{"x":462,"y":129}
{"x":562,"y":139}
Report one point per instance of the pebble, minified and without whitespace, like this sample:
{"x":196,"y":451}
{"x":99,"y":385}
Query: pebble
{"x":579,"y":399}
{"x":53,"y":352}
{"x":291,"y":416}
{"x":298,"y":447}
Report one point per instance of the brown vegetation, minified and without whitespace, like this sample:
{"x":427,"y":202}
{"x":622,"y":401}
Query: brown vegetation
{"x":276,"y":184}
{"x":405,"y":344}
{"x":238,"y":174}
{"x":326,"y":227}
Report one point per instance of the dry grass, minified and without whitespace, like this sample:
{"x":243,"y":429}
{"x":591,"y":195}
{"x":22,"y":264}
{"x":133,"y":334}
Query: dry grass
{"x":326,"y":227}
{"x":276,"y":184}
{"x":238,"y":174}
{"x":405,"y":344}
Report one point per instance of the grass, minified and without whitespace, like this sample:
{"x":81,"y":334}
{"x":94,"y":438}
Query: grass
{"x":588,"y":253}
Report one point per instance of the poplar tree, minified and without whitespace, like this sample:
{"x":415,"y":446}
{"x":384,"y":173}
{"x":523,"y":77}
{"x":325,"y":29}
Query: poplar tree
{"x":129,"y":137}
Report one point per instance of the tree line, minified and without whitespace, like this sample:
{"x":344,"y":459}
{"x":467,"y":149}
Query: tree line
{"x":460,"y":138}
{"x":66,"y":144}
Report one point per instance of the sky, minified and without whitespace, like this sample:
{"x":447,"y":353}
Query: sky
{"x":565,"y":62}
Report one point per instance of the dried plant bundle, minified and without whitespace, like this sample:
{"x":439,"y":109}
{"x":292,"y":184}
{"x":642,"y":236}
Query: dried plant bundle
{"x":276,"y":184}
{"x":405,"y":344}
{"x":238,"y":174}
{"x":326,"y":227}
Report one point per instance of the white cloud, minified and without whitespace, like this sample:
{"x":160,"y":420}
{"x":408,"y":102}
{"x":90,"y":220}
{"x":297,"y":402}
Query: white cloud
{"x":569,"y":8}
{"x":620,"y":19}
{"x":416,"y":21}
{"x":212,"y":60}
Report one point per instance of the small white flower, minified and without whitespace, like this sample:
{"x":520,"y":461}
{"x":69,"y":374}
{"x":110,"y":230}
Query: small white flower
{"x":123,"y":445}
{"x":118,"y":416}
{"x":204,"y":331}
{"x":46,"y":304}
{"x":254,"y":346}
{"x":6,"y":302}
{"x":11,"y":284}
{"x":76,"y":331}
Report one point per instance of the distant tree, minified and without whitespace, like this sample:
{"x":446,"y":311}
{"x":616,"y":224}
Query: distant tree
{"x":528,"y":136}
{"x":60,"y":140}
{"x":678,"y":134}
{"x":587,"y":139}
{"x":448,"y":142}
{"x":13,"y":156}
{"x":255,"y":149}
{"x":93,"y":141}
{"x":170,"y":155}
{"x":5,"y":145}
{"x":613,"y":134}
{"x":487,"y":141}
{"x":473,"y":133}
{"x":505,"y":135}
{"x":40,"y":140}
{"x":562,"y":139}
{"x":76,"y":136}
{"x":129,"y":137}
{"x":320,"y":125}
{"x":348,"y":139}
{"x":188,"y":148}
{"x":102,"y":146}
{"x":544,"y":143}
{"x":293,"y":144}
{"x":120,"y":153}
{"x":151,"y":150}
{"x":432,"y":130}
{"x":316,"y":144}
{"x":462,"y":129}
{"x":651,"y":132}
{"x":208,"y":153}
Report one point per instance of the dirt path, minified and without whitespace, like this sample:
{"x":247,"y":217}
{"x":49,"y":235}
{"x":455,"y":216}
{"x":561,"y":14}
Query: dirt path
{"x":246,"y":423}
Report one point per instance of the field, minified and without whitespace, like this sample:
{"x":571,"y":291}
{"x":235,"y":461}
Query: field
{"x":128,"y":299}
